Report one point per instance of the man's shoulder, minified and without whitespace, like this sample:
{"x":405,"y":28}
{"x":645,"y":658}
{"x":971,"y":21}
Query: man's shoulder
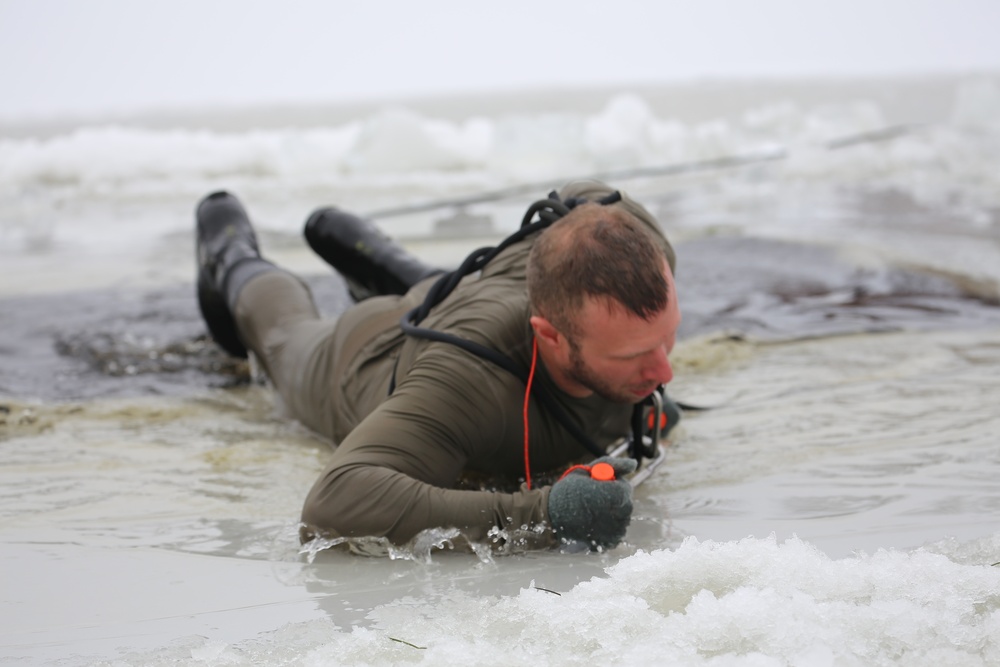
{"x":500,"y":325}
{"x":493,"y":312}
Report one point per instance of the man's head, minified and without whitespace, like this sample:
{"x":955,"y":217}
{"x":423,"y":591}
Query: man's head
{"x":604,"y":308}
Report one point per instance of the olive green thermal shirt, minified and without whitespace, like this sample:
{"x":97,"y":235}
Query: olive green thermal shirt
{"x":450,"y":413}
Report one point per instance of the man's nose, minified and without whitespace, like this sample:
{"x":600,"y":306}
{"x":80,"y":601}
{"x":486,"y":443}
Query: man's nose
{"x":660,"y":369}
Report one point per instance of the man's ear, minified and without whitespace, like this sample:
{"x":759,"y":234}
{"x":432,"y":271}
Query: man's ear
{"x":545,"y":332}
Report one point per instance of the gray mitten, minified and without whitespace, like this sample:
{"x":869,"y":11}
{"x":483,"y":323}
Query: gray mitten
{"x":589,"y":510}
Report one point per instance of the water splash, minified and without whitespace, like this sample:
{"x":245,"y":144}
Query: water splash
{"x":419,"y":549}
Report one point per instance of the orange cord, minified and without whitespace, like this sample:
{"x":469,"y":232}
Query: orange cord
{"x":578,"y":466}
{"x":603,"y":472}
{"x":527,"y":395}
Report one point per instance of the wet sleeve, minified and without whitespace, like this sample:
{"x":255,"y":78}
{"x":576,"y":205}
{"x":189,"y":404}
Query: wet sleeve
{"x":392,"y":475}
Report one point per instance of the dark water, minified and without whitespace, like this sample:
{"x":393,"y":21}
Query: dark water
{"x":126,"y":342}
{"x":120,"y":342}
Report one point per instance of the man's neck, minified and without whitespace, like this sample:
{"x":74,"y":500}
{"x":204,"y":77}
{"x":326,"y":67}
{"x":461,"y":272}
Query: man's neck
{"x":561,"y":378}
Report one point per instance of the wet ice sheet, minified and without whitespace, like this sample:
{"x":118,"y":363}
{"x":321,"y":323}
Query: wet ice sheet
{"x":125,"y":519}
{"x":853,"y":443}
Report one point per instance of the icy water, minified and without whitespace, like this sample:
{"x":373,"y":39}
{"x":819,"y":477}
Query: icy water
{"x":836,"y":503}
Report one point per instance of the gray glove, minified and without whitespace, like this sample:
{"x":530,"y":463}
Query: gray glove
{"x":592,"y":511}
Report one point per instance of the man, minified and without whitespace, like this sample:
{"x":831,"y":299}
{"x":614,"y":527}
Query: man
{"x":588,"y":305}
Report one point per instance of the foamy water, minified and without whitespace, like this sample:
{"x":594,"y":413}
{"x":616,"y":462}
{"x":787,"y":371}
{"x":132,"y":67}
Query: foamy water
{"x":836,"y":506}
{"x":751,"y":602}
{"x":124,"y":194}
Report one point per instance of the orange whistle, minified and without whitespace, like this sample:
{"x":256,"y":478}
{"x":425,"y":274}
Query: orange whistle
{"x":602,"y":472}
{"x":651,"y":422}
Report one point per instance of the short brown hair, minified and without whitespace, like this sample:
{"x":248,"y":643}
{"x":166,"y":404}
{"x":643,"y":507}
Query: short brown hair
{"x":595,"y":251}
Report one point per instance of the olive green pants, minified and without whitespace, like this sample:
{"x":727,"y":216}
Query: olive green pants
{"x":319,"y":366}
{"x":278,"y":321}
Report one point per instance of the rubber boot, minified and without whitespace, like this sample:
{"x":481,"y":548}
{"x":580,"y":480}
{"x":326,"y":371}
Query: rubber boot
{"x":228,"y":256}
{"x":370,"y":262}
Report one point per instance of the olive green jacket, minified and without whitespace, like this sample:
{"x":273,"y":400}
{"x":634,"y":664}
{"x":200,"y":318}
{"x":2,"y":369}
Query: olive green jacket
{"x":452,"y":414}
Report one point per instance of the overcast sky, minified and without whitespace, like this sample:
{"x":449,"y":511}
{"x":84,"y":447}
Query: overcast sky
{"x":72,"y":56}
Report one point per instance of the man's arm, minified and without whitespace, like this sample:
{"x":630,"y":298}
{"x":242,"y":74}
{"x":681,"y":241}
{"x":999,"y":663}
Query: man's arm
{"x":392,"y":475}
{"x":368,"y":500}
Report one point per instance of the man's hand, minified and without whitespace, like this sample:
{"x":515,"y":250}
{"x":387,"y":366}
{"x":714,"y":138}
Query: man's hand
{"x":588,"y":510}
